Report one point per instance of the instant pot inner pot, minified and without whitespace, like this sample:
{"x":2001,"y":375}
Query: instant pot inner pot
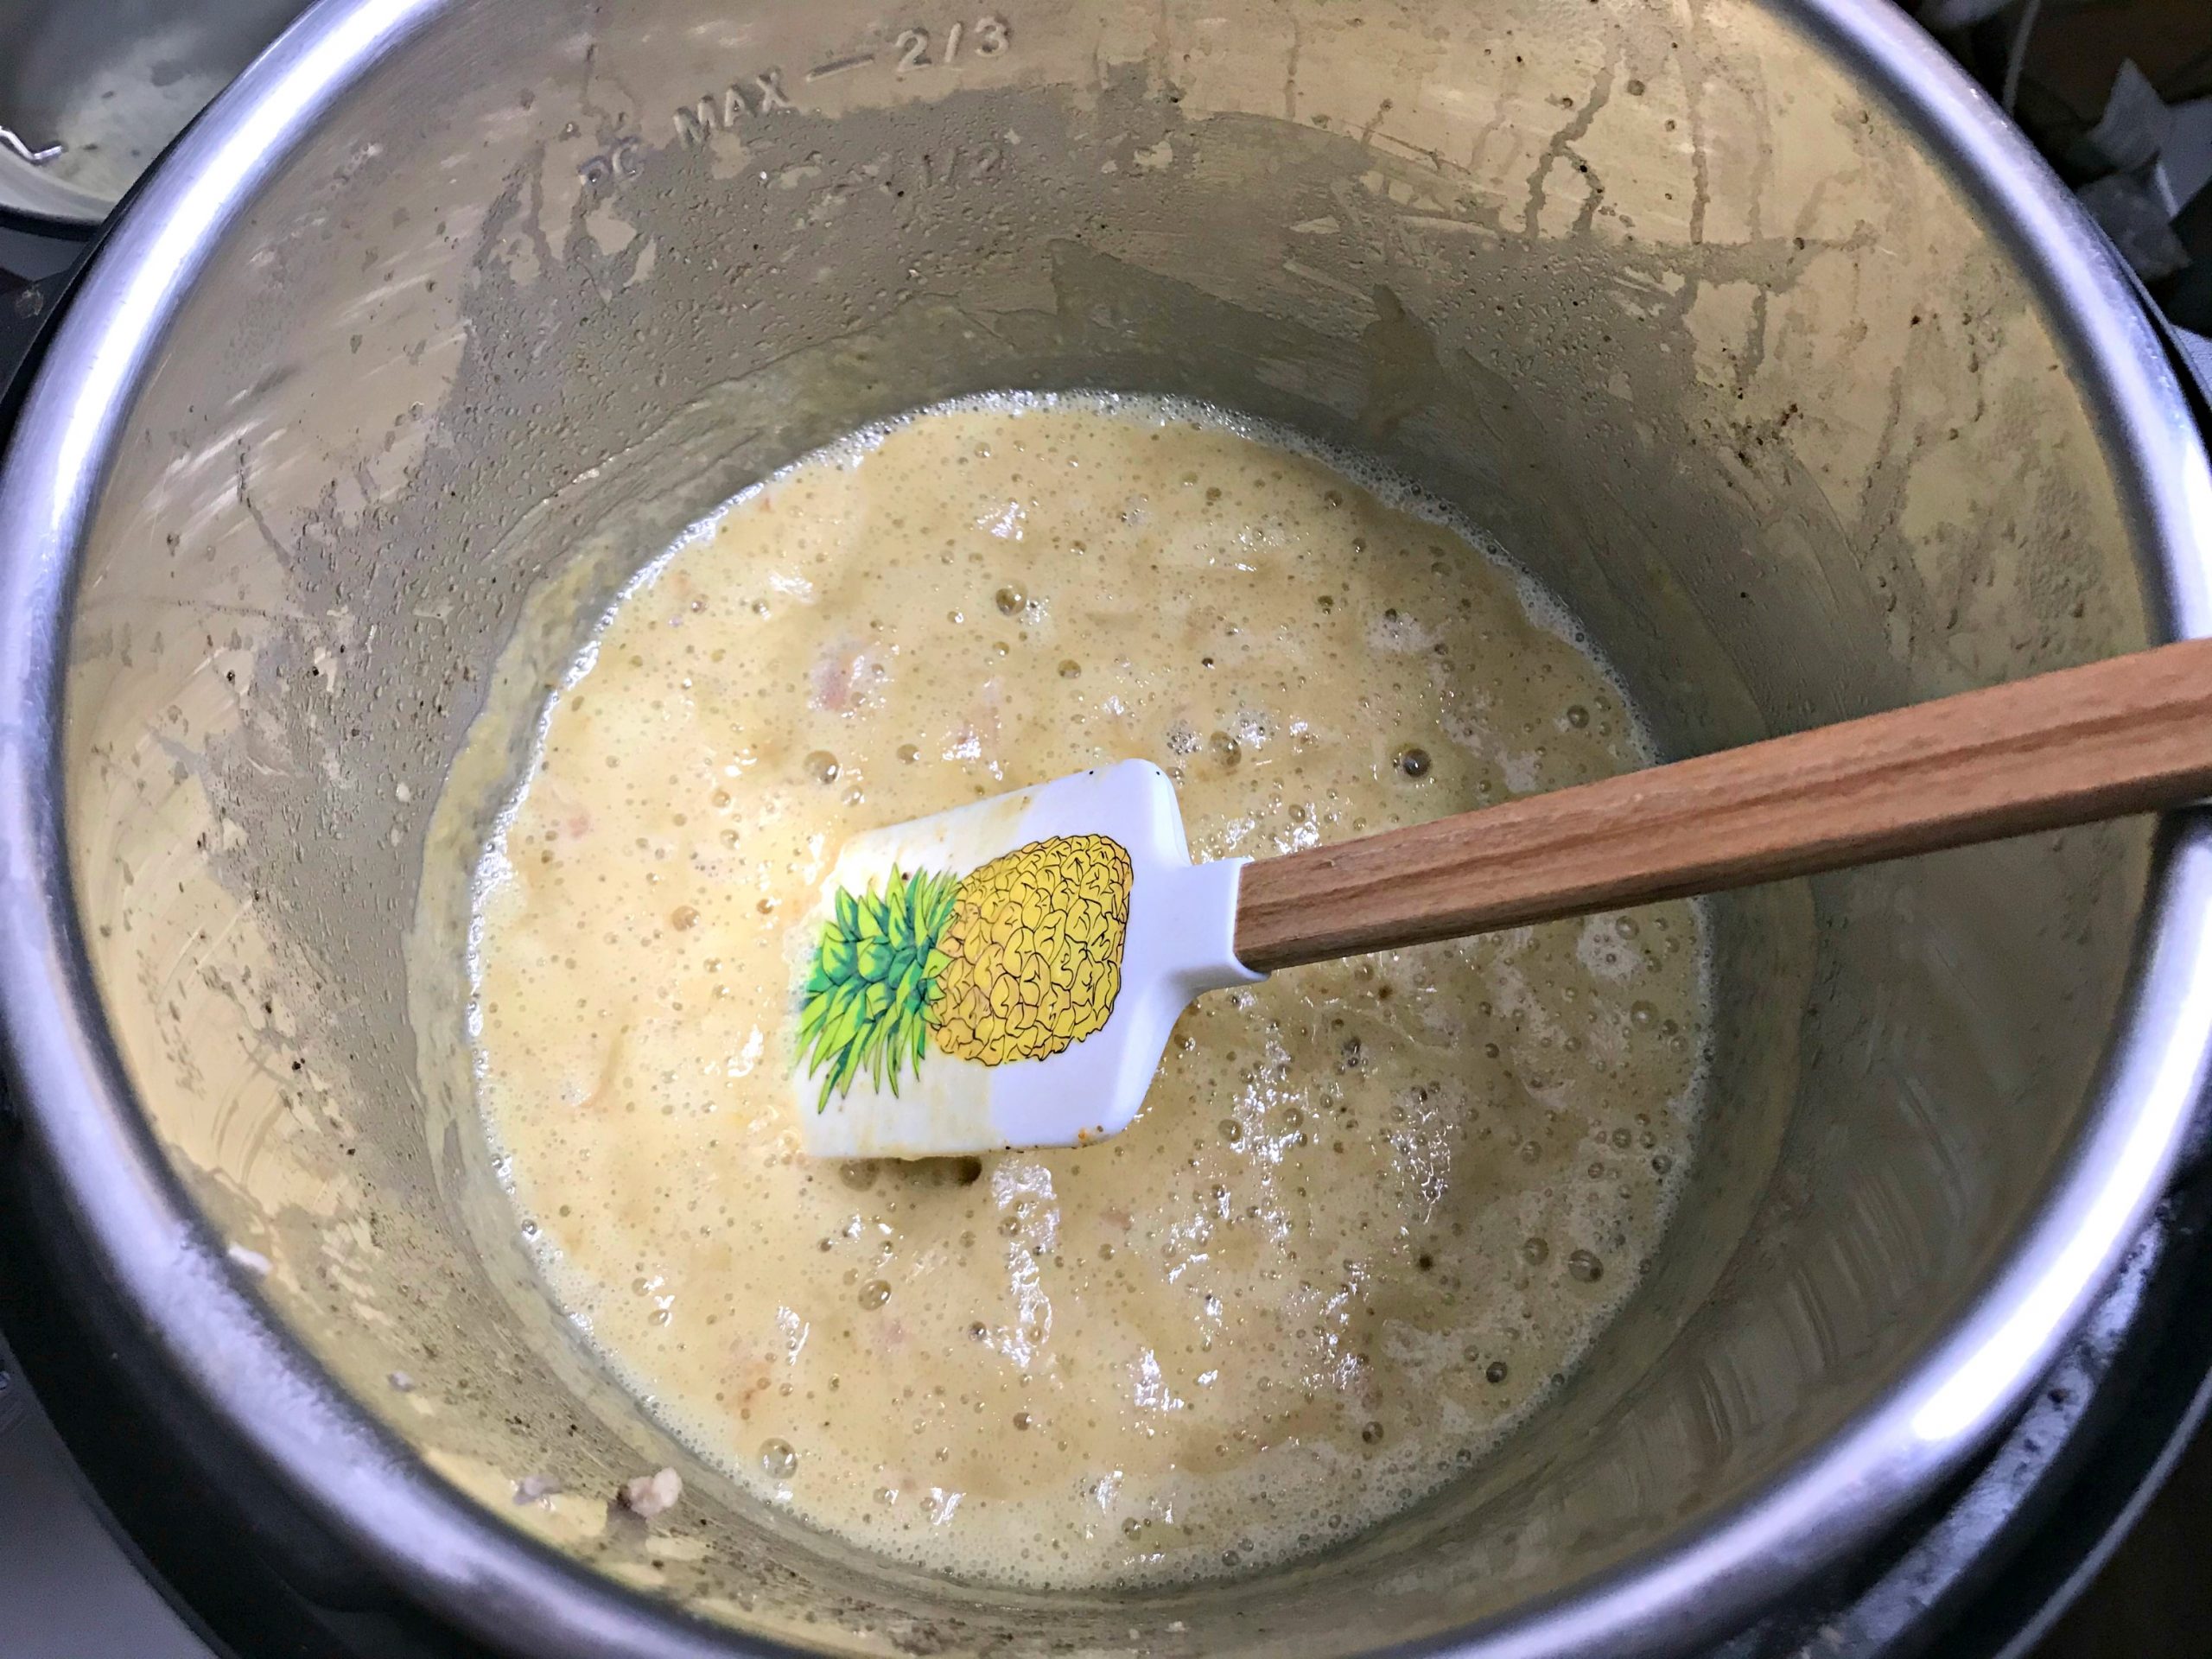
{"x":1658,"y":295}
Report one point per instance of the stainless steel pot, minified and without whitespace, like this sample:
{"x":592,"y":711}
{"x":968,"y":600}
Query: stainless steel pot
{"x":1749,"y":327}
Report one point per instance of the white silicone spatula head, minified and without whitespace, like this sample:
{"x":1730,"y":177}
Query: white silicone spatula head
{"x":1005,"y":974}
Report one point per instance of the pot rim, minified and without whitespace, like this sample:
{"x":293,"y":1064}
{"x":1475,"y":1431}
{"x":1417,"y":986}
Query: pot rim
{"x":154,"y":1248}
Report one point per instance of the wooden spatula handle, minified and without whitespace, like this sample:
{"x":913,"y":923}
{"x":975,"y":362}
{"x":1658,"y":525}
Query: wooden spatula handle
{"x":2128,"y":735}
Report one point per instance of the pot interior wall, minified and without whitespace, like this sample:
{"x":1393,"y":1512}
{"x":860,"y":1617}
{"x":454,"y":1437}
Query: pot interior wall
{"x":1658,"y":294}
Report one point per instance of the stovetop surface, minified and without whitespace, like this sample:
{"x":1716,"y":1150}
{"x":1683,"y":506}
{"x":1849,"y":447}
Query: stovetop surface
{"x":68,"y":1589}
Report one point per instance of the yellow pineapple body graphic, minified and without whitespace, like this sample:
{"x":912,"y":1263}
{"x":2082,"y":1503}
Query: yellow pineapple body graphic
{"x":1018,"y":959}
{"x":1033,"y":950}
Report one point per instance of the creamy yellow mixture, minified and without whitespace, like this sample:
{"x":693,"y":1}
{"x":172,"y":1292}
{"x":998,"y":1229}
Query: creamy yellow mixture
{"x":1372,"y":1209}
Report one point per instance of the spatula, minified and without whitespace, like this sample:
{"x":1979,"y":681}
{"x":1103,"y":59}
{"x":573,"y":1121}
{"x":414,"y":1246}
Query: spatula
{"x":1005,"y":974}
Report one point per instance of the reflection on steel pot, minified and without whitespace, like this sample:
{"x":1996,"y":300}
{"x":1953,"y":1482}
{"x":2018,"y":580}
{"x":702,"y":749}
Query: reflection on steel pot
{"x":1748,"y":326}
{"x":91,"y":94}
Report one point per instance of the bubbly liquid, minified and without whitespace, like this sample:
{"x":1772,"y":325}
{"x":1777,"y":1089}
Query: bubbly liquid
{"x":1372,"y":1209}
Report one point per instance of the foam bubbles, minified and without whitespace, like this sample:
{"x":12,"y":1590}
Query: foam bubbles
{"x":1334,"y":1262}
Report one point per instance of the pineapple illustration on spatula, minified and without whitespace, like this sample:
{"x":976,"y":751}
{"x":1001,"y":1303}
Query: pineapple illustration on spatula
{"x":1014,"y":961}
{"x":966,"y":974}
